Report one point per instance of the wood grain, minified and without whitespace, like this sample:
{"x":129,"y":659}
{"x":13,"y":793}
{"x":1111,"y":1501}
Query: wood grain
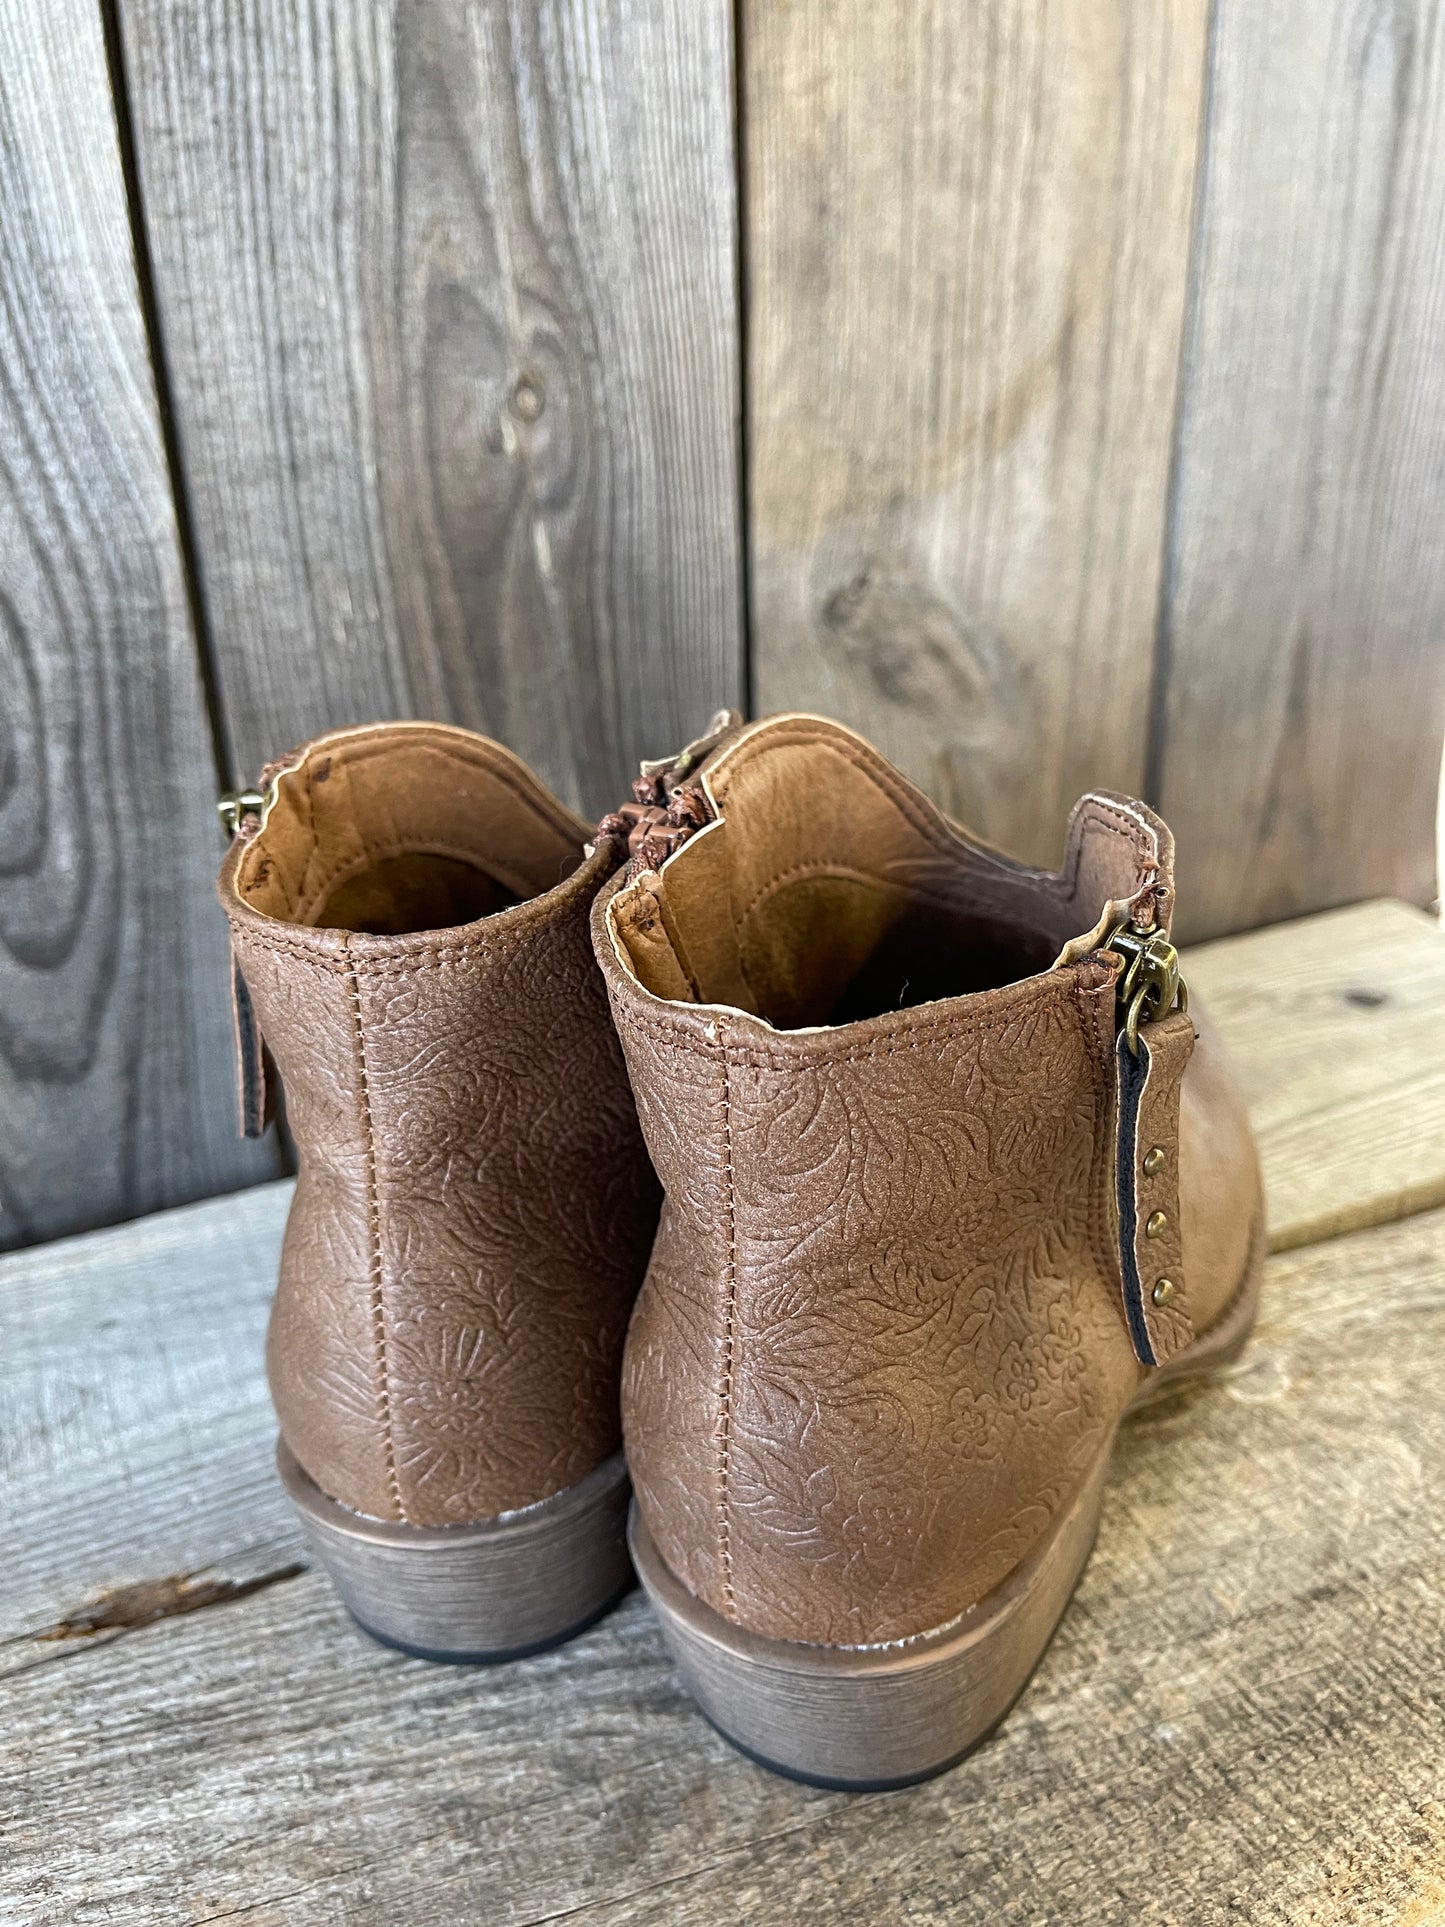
{"x":449,"y":296}
{"x":147,"y":1438}
{"x":1239,"y":1718}
{"x":1304,"y":679}
{"x":1336,"y":1027}
{"x":967,"y":240}
{"x":115,"y":1085}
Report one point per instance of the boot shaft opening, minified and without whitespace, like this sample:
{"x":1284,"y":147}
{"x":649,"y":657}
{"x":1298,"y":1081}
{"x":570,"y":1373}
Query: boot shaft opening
{"x":829,"y":890}
{"x":405,"y":828}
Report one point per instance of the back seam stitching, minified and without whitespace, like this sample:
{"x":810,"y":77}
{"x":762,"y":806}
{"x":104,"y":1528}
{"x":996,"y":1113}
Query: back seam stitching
{"x":373,"y":1216}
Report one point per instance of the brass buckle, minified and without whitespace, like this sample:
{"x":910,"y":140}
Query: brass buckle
{"x":1150,"y":985}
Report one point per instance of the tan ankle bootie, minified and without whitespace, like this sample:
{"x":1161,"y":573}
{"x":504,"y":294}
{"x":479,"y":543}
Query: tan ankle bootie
{"x":408,"y":908}
{"x":953,"y":1180}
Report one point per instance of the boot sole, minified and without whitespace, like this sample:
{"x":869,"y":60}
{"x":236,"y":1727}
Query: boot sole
{"x":478,"y":1594}
{"x":873,"y":1718}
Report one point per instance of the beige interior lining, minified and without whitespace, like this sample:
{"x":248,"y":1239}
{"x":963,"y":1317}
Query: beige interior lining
{"x":829,"y":889}
{"x":406,"y":827}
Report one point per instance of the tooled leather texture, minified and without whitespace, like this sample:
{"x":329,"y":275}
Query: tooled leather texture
{"x":881,"y":1339}
{"x":473,"y":1208}
{"x":883,"y":1268}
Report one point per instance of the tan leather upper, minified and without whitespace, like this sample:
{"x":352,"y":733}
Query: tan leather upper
{"x":474,"y":1207}
{"x":883,"y":1334}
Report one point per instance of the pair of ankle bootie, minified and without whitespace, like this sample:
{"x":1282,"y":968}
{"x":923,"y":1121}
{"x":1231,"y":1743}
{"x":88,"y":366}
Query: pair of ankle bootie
{"x":925,"y":1170}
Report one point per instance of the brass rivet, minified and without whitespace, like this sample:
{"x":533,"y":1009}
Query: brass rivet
{"x":1155,"y":1161}
{"x":1158,"y":1224}
{"x":1163,"y":1291}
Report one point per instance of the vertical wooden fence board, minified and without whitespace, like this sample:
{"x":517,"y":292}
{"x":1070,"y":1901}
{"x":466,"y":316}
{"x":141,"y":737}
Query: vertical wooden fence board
{"x":968,"y":234}
{"x":115,"y":1081}
{"x":1304,"y":625}
{"x":449,"y":291}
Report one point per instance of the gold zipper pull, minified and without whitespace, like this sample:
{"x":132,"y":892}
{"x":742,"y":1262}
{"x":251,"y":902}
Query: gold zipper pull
{"x":1150,"y":985}
{"x":686,"y":760}
{"x":236,"y":805}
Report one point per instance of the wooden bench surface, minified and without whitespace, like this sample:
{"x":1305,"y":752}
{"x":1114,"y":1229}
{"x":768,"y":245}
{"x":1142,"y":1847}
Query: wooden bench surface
{"x":1242,"y":1718}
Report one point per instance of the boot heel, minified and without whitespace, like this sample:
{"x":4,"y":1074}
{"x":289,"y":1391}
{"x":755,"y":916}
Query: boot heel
{"x":868,"y":1719}
{"x":469,"y":1595}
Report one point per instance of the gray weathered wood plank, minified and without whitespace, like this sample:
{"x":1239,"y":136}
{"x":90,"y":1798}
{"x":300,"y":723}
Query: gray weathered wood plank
{"x":143,"y":1447}
{"x":967,"y":241}
{"x":1336,"y":1027}
{"x":449,"y":296}
{"x":1303,"y":670}
{"x":1238,"y":1720}
{"x":115,"y":1086}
